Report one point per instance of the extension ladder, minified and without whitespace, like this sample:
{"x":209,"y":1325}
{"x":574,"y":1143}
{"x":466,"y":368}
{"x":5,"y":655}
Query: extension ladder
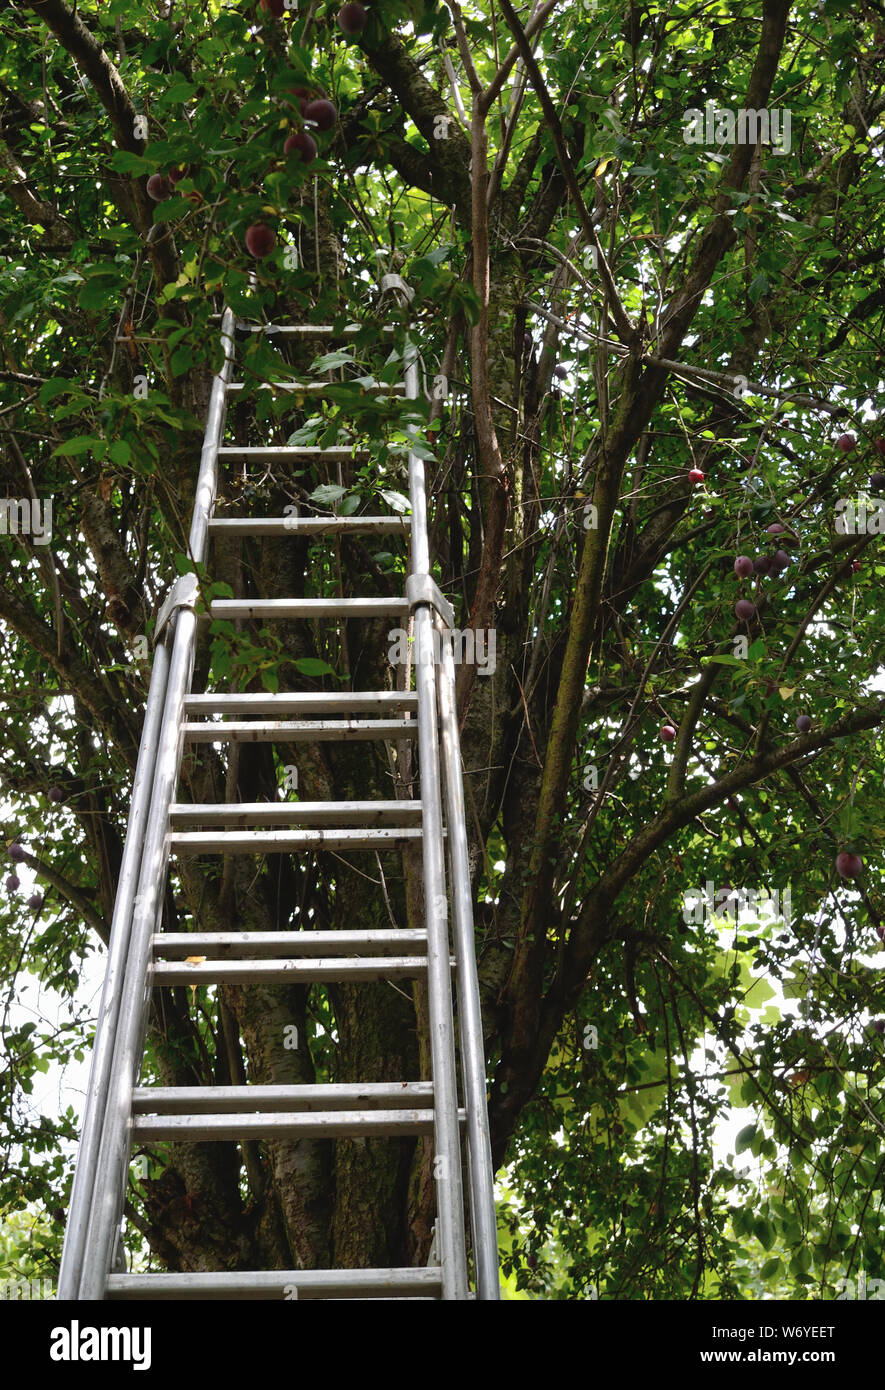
{"x":142,"y":957}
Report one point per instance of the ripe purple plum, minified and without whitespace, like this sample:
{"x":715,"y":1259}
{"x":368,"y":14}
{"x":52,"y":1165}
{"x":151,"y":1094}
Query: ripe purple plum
{"x":301,"y":144}
{"x":159,"y":187}
{"x":743,"y":566}
{"x":803,"y":723}
{"x":260,"y":240}
{"x":762,"y":564}
{"x":16,"y":852}
{"x":849,"y":865}
{"x":352,"y":18}
{"x":744,"y":609}
{"x":668,"y":733}
{"x":35,"y":902}
{"x":322,"y":113}
{"x":13,"y":883}
{"x":846,"y":443}
{"x":55,"y":794}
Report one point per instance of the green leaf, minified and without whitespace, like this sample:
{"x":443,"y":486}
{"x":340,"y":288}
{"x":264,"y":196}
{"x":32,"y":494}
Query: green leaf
{"x":341,"y":357}
{"x":313,"y":666}
{"x":396,"y":500}
{"x":119,"y":452}
{"x":327,"y":493}
{"x":73,"y":448}
{"x":745,"y":1138}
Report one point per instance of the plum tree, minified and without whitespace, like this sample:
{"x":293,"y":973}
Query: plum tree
{"x":598,"y":629}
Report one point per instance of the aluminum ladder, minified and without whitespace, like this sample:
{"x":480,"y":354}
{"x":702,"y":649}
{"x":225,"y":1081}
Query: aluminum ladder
{"x":141,"y":957}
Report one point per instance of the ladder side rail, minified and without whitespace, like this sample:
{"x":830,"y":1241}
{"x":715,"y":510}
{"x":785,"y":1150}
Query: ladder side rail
{"x":473,"y":1069}
{"x":113,"y":1151}
{"x":447,"y":1141}
{"x":104,"y":1047}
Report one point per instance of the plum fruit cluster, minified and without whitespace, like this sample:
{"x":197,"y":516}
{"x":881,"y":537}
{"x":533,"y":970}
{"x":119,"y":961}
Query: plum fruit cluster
{"x":317,"y":114}
{"x":16,"y":852}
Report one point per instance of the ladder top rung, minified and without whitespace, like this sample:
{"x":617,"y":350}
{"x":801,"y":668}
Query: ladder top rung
{"x":260,"y":453}
{"x":318,"y":388}
{"x":309,"y":525}
{"x":311,"y":330}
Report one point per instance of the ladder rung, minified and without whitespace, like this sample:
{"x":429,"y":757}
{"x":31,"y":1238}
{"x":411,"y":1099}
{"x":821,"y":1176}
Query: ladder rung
{"x":289,"y":972}
{"x":309,"y":608}
{"x":300,"y":702}
{"x":296,"y":813}
{"x":299,"y":731}
{"x":309,"y":525}
{"x":317,"y":388}
{"x":287,"y":841}
{"x":311,"y":330}
{"x":279,"y":1283}
{"x":261,"y":453}
{"x":199,"y":1100}
{"x":317,"y":1124}
{"x":245,"y":944}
